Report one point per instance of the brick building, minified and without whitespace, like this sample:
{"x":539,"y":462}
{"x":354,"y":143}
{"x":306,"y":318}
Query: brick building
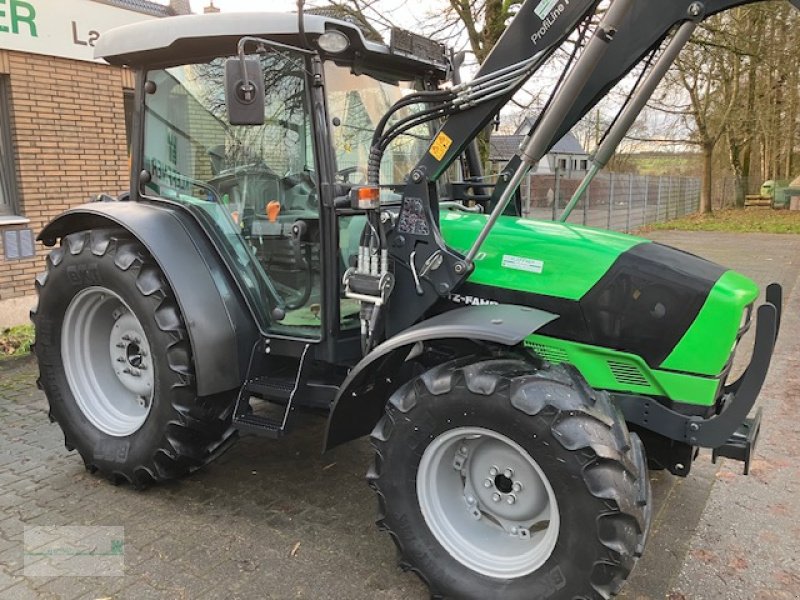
{"x":64,"y":124}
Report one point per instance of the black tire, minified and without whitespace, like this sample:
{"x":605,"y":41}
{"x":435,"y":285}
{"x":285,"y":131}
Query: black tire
{"x":181,"y":432}
{"x":597,"y":471}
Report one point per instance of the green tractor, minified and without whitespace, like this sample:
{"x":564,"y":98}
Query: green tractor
{"x":307,"y":228}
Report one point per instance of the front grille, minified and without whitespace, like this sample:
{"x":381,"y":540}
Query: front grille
{"x":747,"y":320}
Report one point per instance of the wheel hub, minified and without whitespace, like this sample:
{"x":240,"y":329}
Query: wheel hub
{"x":487,"y":502}
{"x":511,"y":490}
{"x":130,"y":355}
{"x":107,"y":361}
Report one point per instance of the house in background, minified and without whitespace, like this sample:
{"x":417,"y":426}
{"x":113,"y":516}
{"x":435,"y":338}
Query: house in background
{"x":568,"y":156}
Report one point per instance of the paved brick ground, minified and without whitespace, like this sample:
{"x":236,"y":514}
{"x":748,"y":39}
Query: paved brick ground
{"x":229,"y":531}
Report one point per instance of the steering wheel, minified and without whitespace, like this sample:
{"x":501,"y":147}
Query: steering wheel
{"x":347,"y":172}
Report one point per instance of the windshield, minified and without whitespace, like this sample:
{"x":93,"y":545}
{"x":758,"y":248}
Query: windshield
{"x":356,"y":103}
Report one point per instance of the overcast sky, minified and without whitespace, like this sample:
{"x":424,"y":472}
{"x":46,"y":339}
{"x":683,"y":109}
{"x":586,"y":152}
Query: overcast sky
{"x":400,"y":14}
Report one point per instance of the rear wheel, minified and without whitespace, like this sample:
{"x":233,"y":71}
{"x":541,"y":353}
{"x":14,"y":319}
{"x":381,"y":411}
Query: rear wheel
{"x":498,"y":479}
{"x":115,"y":362}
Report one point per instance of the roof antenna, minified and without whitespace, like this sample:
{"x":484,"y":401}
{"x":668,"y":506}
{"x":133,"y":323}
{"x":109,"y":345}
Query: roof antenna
{"x":301,"y":24}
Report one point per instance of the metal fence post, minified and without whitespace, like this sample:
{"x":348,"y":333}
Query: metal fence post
{"x":630,"y":203}
{"x":610,"y":198}
{"x":586,"y":205}
{"x":686,"y":202}
{"x":658,"y":199}
{"x":646,"y":194}
{"x":669,"y":197}
{"x":556,"y":194}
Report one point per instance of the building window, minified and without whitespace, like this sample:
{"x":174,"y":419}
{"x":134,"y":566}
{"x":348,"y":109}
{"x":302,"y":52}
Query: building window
{"x":584,"y":165}
{"x":7,"y":175}
{"x":562,"y":164}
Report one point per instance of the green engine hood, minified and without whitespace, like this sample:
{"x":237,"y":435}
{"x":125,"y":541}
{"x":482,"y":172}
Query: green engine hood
{"x":675,"y":310}
{"x":540,"y":257}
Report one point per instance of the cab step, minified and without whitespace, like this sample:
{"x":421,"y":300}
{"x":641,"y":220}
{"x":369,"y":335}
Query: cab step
{"x":741,"y":445}
{"x":260,"y":425}
{"x":272,"y":388}
{"x":276,"y":389}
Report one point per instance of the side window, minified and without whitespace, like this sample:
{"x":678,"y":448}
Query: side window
{"x":7,"y":172}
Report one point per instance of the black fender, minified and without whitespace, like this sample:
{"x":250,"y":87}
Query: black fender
{"x":221,"y":328}
{"x":362,"y":396}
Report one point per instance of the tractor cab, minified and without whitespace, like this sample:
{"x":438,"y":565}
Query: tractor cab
{"x":267,"y":188}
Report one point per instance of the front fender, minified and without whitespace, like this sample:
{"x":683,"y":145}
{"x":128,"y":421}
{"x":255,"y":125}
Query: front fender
{"x":221,"y":329}
{"x":360,"y":402}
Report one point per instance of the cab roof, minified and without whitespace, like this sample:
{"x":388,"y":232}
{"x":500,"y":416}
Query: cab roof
{"x":194,"y":38}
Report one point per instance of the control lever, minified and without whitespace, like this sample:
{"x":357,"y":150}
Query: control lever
{"x":433,"y":262}
{"x":299,"y":230}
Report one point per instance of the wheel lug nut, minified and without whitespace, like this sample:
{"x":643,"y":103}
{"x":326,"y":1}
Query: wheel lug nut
{"x":470,"y":500}
{"x":511,"y":499}
{"x":508,"y":473}
{"x":493,"y":471}
{"x":464,"y":450}
{"x":488,"y":483}
{"x":495,"y":497}
{"x":517,"y":487}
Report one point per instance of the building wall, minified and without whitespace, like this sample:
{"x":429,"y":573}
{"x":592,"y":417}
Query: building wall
{"x":68,"y":138}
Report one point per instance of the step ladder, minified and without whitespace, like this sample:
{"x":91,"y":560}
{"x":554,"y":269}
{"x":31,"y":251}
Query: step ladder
{"x":244,"y":419}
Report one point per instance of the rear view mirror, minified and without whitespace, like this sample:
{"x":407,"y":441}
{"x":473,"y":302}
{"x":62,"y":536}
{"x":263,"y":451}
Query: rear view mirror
{"x":244,"y":91}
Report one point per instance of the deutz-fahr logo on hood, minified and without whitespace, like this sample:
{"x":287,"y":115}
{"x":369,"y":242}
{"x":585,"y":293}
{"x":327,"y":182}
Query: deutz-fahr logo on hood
{"x":471,"y":300}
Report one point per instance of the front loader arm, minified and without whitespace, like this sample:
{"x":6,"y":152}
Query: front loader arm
{"x":540,"y":26}
{"x":425,"y":269}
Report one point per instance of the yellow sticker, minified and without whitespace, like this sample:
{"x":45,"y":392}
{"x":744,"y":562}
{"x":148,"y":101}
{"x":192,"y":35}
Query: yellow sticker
{"x":440,"y":145}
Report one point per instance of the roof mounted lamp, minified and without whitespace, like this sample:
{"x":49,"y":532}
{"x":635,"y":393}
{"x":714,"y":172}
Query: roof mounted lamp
{"x":333,"y":42}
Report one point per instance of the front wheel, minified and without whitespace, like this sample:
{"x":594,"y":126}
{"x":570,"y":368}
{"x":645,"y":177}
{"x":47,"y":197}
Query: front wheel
{"x":500,"y":479}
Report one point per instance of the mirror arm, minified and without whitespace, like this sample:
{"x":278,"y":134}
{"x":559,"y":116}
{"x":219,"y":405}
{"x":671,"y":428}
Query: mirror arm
{"x":248,"y":87}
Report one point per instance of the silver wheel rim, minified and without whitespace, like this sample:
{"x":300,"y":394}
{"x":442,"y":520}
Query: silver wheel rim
{"x":107,"y":361}
{"x":487,"y":502}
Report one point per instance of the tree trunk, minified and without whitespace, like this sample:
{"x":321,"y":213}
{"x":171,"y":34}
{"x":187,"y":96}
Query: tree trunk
{"x":708,"y":167}
{"x":735,"y":153}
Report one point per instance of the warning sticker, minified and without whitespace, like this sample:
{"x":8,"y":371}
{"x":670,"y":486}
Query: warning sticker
{"x":520,"y":263}
{"x":544,"y":8}
{"x":441,"y":145}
